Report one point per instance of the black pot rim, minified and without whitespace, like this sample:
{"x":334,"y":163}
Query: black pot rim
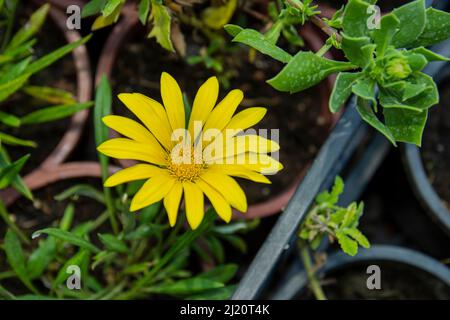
{"x":377,"y":253}
{"x":422,"y":187}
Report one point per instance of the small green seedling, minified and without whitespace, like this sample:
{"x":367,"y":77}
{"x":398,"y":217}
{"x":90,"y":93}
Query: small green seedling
{"x":328,"y":219}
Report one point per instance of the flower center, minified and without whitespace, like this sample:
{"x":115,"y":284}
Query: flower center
{"x":185,"y":167}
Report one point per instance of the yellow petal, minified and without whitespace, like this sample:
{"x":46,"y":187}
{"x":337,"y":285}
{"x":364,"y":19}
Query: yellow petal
{"x":173,"y":101}
{"x":204,"y":102}
{"x":136,"y":172}
{"x":228,"y":188}
{"x":219,"y":203}
{"x":152,"y":191}
{"x":254,"y":161}
{"x":121,"y":148}
{"x":240,"y":172}
{"x":193,"y":198}
{"x":246,"y":118}
{"x":172,"y":202}
{"x":152,"y":115}
{"x":222,"y":113}
{"x":132,"y":130}
{"x":239,"y":145}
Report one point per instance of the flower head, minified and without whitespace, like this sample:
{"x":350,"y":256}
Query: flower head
{"x":194,"y":157}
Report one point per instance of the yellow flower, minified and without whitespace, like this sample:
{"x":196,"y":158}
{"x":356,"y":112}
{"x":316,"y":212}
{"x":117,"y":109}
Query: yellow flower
{"x":202,"y":163}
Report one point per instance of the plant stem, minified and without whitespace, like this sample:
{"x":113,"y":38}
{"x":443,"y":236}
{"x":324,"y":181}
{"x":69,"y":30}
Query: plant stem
{"x":330,"y":31}
{"x":5,"y":215}
{"x":307,"y":263}
{"x":323,"y":50}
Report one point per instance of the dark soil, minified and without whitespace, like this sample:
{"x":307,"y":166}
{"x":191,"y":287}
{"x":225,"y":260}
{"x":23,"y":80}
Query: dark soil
{"x":398,"y":282}
{"x":436,"y":145}
{"x":61,"y":74}
{"x":44,"y":211}
{"x":302,"y":132}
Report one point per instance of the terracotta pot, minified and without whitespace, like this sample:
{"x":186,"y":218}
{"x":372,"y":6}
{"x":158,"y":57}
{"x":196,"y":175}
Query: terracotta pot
{"x":84,"y":93}
{"x":129,"y":23}
{"x":45,"y":176}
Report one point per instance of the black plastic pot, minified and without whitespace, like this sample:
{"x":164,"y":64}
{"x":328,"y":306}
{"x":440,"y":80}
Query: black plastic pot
{"x":417,"y":176}
{"x":377,"y":255}
{"x":334,"y":154}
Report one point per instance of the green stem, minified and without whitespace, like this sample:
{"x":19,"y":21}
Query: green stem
{"x":108,"y":197}
{"x":323,"y":50}
{"x":5,"y":215}
{"x":182,"y":242}
{"x":307,"y":263}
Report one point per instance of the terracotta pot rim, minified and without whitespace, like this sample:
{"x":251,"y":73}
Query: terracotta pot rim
{"x":43,"y":177}
{"x":84,"y":93}
{"x":273,"y":205}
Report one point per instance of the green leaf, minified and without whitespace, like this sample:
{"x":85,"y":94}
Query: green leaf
{"x":338,"y":187}
{"x":113,"y":243}
{"x":41,"y":257}
{"x":30,"y":28}
{"x":187,"y":286}
{"x":365,"y":88}
{"x":161,"y":26}
{"x":429,"y":55}
{"x":9,"y":119}
{"x":67,"y":219}
{"x":342,"y":89}
{"x":366,"y":112}
{"x":145,"y":231}
{"x":149,"y":213}
{"x":412,"y":19}
{"x":223,"y":273}
{"x":216,"y":248}
{"x":9,"y":173}
{"x":81,"y":259}
{"x":412,"y":90}
{"x":437,"y":28}
{"x":144,"y":10}
{"x":428,"y":98}
{"x":16,"y":259}
{"x":258,"y":41}
{"x":50,"y":95}
{"x":54,"y":113}
{"x":358,"y":236}
{"x":110,"y":7}
{"x":50,"y":58}
{"x":14,"y":141}
{"x":224,"y":293}
{"x":215,"y":17}
{"x":17,"y":182}
{"x":348,"y":245}
{"x":383,"y":36}
{"x":93,"y":7}
{"x":352,"y":48}
{"x":8,"y":88}
{"x":417,"y":61}
{"x":406,"y":125}
{"x":78,"y":190}
{"x":232,"y":29}
{"x":104,"y":21}
{"x":306,"y":70}
{"x":355,"y":18}
{"x":67,"y":237}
